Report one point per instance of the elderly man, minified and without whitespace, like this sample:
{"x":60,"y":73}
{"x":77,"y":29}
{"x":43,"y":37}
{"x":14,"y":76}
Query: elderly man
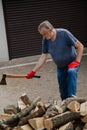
{"x":66,"y":51}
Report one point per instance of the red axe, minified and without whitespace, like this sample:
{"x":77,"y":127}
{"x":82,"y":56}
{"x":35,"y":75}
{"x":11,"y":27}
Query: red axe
{"x":4,"y":76}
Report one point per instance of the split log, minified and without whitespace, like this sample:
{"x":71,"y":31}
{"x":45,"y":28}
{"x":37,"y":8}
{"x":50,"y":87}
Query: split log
{"x":78,"y":128}
{"x":10,"y":109}
{"x":17,"y":128}
{"x":4,"y":127}
{"x":60,"y":120}
{"x":26,"y":127}
{"x":74,"y":106}
{"x":36,"y":108}
{"x":84,"y":119}
{"x":68,"y":126}
{"x":4,"y":116}
{"x":57,"y":107}
{"x":78,"y":124}
{"x":21,"y":105}
{"x":51,"y":112}
{"x":52,"y":109}
{"x":68,"y":100}
{"x":37,"y":113}
{"x":13,"y":120}
{"x":85,"y":126}
{"x":83,"y":109}
{"x":37,"y":123}
{"x":25,"y":99}
{"x":49,"y":103}
{"x":40,"y":104}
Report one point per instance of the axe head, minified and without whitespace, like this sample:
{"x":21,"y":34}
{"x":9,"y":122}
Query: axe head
{"x":3,"y":80}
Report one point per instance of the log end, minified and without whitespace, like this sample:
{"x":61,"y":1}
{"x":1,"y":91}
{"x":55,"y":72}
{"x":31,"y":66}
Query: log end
{"x":48,"y":124}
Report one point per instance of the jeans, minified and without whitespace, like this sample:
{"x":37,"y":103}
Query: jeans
{"x":67,"y":79}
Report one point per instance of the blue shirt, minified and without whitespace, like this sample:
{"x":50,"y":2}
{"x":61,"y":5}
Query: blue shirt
{"x":62,"y":49}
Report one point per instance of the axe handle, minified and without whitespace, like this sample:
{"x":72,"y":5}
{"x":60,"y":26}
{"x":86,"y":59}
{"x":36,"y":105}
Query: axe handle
{"x":19,"y":76}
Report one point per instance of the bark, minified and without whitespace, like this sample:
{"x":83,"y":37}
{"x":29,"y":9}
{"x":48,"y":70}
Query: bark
{"x":38,"y":113}
{"x":4,"y":127}
{"x":13,"y":120}
{"x":10,"y":109}
{"x":78,"y":128}
{"x":84,"y":119}
{"x":85,"y":126}
{"x":68,"y":100}
{"x":68,"y":126}
{"x":60,"y":120}
{"x":25,"y":99}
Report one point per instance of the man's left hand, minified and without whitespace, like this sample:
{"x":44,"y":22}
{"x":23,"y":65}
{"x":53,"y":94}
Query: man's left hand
{"x":73,"y":64}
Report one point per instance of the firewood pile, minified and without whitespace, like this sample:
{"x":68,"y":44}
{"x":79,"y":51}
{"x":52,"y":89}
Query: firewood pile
{"x":69,"y":114}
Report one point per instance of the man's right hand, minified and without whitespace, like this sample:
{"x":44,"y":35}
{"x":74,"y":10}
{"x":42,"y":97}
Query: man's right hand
{"x":30,"y":74}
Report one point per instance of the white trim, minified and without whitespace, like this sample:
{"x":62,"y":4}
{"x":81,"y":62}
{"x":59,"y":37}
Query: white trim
{"x":19,"y":65}
{"x":25,"y":64}
{"x":85,"y":54}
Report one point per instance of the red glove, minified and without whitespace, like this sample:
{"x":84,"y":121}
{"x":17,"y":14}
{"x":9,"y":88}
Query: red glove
{"x":73,"y":64}
{"x":30,"y":74}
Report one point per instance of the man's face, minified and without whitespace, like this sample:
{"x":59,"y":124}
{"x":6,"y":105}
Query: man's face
{"x":46,"y":33}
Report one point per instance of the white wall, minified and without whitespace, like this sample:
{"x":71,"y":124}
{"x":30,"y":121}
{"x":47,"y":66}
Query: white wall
{"x":3,"y":40}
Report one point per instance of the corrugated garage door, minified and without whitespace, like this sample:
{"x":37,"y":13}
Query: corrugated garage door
{"x":22,"y":18}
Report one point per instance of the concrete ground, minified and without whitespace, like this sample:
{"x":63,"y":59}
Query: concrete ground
{"x":44,"y":87}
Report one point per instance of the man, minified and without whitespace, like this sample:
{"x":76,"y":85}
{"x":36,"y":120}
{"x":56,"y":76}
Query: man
{"x":62,"y":46}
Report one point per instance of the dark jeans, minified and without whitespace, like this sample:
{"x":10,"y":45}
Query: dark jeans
{"x":67,"y":79}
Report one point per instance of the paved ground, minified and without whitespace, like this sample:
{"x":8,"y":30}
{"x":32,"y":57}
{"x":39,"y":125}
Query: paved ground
{"x":45,"y":87}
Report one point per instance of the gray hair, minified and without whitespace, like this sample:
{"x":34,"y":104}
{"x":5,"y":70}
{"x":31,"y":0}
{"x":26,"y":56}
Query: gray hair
{"x":45,"y":24}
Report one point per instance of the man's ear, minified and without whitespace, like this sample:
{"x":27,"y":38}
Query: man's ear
{"x":51,"y":30}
